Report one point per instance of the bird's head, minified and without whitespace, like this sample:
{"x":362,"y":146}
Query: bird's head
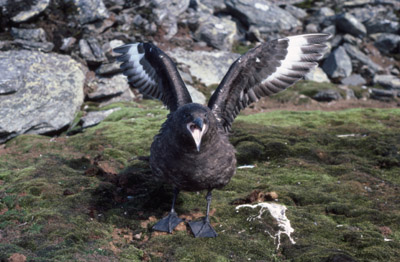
{"x":194,"y":122}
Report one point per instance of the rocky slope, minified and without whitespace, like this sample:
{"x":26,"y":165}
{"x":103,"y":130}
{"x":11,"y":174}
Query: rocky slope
{"x":84,"y":191}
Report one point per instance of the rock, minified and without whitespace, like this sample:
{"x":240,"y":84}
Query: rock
{"x":354,"y":80}
{"x":324,"y":16}
{"x":91,"y":51}
{"x":387,"y":81}
{"x":266,"y":16}
{"x":296,"y":12}
{"x":327,"y":96}
{"x":166,"y":14}
{"x":338,"y":64}
{"x":37,"y":34}
{"x":32,"y":45}
{"x":109,"y":46}
{"x":330,"y":30}
{"x":208,"y":67}
{"x":197,"y":96}
{"x":382,"y":25}
{"x":380,"y":94}
{"x":317,"y":75}
{"x":312,"y":28}
{"x":216,"y":32}
{"x":347,"y":38}
{"x":388,"y":43}
{"x":88,"y":11}
{"x":67,"y":44}
{"x":47,"y":92}
{"x":109,"y":69}
{"x":356,"y":54}
{"x":95,"y":117}
{"x":347,"y":23}
{"x":109,"y":88}
{"x":35,"y":9}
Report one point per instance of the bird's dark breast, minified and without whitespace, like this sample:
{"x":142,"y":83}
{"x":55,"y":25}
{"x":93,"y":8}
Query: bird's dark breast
{"x":210,"y":168}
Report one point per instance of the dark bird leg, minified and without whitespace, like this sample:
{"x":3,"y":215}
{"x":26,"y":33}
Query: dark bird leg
{"x":203,"y":228}
{"x":168,"y":223}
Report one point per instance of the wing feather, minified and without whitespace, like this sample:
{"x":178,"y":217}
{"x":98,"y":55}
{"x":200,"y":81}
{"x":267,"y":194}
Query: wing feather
{"x":154,"y":73}
{"x":265,"y":70}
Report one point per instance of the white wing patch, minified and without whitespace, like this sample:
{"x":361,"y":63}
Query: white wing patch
{"x":139,"y":72}
{"x":295,"y":57}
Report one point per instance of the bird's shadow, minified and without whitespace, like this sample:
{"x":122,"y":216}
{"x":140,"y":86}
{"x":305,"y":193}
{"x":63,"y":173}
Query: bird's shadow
{"x":134,"y":193}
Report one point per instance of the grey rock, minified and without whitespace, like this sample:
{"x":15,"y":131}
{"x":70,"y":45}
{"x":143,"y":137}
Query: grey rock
{"x":108,"y":69}
{"x":354,"y":80}
{"x":197,"y":96}
{"x":214,"y":6}
{"x":37,"y":34}
{"x":336,"y":40}
{"x":114,"y":87}
{"x":380,"y":94}
{"x":48,"y":91}
{"x":388,"y":43}
{"x":338,"y":64}
{"x":347,"y":23}
{"x":312,"y":28}
{"x":166,"y":14}
{"x":88,"y":11}
{"x":208,"y":67}
{"x":98,"y":27}
{"x":91,"y":51}
{"x":324,"y":16}
{"x":327,"y":96}
{"x":67,"y":44}
{"x":266,"y":16}
{"x":317,"y":75}
{"x":388,"y":81}
{"x":38,"y":7}
{"x":330,"y":30}
{"x":95,"y":117}
{"x":382,"y":25}
{"x":296,"y":11}
{"x":347,"y":38}
{"x":356,"y":54}
{"x":216,"y":32}
{"x":32,"y":45}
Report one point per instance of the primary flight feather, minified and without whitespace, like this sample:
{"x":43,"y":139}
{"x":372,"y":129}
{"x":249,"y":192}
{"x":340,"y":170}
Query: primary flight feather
{"x":192,"y":150}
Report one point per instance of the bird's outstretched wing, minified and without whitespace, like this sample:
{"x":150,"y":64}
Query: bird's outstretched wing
{"x":153,"y":72}
{"x":264,"y":70}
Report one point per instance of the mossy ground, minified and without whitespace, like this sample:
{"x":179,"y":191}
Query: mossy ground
{"x":91,"y":196}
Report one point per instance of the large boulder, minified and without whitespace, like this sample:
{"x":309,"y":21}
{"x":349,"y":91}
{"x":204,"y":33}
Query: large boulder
{"x":388,"y":43}
{"x":338,"y":64}
{"x":356,"y":54}
{"x":208,"y":67}
{"x":266,"y":16}
{"x":216,"y":32}
{"x":349,"y":24}
{"x":39,"y":93}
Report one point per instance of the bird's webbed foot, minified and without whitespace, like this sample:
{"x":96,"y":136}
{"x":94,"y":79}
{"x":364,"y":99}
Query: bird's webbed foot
{"x":168,"y":223}
{"x":202,"y":228}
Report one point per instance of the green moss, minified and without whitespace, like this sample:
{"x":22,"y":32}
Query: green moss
{"x":67,"y":199}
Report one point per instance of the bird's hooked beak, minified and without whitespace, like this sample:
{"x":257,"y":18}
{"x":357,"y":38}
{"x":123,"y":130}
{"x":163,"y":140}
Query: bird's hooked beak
{"x":197,"y":128}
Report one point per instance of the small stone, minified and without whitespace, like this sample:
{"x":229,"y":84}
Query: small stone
{"x":95,"y":117}
{"x":327,"y":96}
{"x":32,"y":45}
{"x":317,"y":75}
{"x":388,"y":43}
{"x":38,"y":7}
{"x":67,"y":44}
{"x":37,"y":34}
{"x":387,"y":81}
{"x":354,"y":80}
